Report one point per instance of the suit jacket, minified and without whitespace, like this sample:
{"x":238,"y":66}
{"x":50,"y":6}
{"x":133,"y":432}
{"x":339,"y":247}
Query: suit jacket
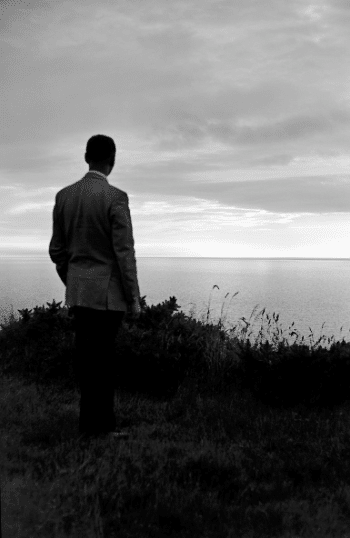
{"x":92,"y":244}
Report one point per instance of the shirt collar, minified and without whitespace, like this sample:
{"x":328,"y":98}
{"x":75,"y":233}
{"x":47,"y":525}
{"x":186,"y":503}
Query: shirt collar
{"x":97,"y":172}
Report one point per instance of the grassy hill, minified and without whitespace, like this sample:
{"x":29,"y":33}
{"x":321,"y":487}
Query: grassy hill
{"x":229,"y":436}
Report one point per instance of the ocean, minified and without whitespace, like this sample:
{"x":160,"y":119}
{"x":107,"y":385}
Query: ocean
{"x":312,"y":293}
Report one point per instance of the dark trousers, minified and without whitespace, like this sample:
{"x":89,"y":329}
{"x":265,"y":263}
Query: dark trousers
{"x":95,"y":333}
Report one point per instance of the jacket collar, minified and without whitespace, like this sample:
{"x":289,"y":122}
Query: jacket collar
{"x":96,"y":172}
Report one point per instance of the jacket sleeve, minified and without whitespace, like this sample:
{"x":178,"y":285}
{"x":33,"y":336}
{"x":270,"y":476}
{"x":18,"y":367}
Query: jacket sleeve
{"x":123,"y":245}
{"x":57,"y":248}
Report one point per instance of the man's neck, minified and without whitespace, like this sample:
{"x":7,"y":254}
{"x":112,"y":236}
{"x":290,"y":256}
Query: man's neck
{"x":95,"y":169}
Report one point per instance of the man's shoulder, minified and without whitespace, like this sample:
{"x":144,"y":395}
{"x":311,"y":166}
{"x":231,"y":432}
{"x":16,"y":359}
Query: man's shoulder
{"x":114,"y":191}
{"x":69,"y":188}
{"x":118,"y":191}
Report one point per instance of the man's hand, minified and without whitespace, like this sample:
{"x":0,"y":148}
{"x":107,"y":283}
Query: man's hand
{"x":134,"y":309}
{"x":62,"y":271}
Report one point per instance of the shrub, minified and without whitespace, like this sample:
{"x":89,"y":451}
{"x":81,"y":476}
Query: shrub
{"x":158,"y":352}
{"x":290,"y":375}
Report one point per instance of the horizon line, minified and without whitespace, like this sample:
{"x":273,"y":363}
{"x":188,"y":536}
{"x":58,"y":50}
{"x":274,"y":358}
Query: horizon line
{"x":203,"y":257}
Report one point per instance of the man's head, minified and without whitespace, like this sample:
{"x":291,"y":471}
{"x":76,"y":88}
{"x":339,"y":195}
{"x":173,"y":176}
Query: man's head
{"x":100,"y":153}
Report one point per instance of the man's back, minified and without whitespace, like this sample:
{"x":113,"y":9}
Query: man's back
{"x":92,"y":232}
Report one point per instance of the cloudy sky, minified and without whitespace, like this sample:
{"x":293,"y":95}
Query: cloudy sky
{"x":231,"y":121}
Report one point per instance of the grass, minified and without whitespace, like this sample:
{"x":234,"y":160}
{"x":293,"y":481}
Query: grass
{"x":202,"y":463}
{"x":262,"y":326}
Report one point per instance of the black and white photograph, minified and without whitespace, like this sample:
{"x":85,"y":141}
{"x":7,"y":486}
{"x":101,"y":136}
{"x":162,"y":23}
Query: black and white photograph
{"x":175,"y":268}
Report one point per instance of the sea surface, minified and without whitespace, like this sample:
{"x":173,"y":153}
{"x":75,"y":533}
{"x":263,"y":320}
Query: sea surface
{"x":312,"y":293}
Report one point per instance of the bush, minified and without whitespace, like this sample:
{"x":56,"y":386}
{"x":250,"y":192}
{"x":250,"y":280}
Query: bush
{"x":158,"y":352}
{"x":290,"y":375}
{"x":39,"y":346}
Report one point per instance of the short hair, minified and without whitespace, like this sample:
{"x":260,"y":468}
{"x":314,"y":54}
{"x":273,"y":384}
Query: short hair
{"x":100,"y":148}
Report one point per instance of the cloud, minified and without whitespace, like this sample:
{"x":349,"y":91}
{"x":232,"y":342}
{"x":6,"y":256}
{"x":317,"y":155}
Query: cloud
{"x":207,"y":178}
{"x":29,"y":207}
{"x":161,"y":71}
{"x":288,"y":194}
{"x":239,"y":104}
{"x":191,"y":131}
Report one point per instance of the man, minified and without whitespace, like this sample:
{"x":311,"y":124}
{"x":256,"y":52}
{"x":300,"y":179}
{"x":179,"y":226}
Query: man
{"x":93,"y":248}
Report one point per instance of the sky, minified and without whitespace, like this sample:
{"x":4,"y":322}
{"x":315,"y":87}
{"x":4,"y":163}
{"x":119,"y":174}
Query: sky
{"x":231,"y":121}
